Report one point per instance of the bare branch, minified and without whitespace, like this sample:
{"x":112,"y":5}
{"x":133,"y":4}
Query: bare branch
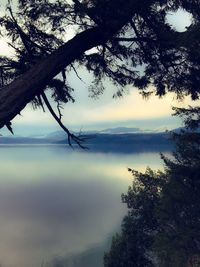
{"x":77,"y":73}
{"x":139,"y":39}
{"x":59,"y":110}
{"x":8,"y":125}
{"x":77,"y":139}
{"x":40,"y":102}
{"x":15,"y":96}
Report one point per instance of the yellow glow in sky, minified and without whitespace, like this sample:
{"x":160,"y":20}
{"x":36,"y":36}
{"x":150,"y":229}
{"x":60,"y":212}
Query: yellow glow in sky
{"x":132,"y":106}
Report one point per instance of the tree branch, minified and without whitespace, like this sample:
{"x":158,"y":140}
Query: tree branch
{"x":77,"y":139}
{"x":25,"y":38}
{"x":139,"y":39}
{"x":77,"y":73}
{"x":15,"y":96}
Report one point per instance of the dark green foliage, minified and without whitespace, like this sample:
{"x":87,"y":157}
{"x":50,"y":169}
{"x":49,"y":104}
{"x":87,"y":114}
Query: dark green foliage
{"x":33,"y":34}
{"x":133,"y":246}
{"x":190,"y":116}
{"x":169,"y":60}
{"x":164,"y":210}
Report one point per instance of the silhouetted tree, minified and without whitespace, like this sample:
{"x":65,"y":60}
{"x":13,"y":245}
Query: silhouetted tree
{"x":125,"y":34}
{"x":163,"y":223}
{"x":133,"y":247}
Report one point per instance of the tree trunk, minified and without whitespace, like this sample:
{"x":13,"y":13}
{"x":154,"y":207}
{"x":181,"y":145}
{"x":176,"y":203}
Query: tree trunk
{"x":15,"y":96}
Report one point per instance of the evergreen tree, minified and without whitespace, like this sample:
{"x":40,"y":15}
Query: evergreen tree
{"x":125,"y":34}
{"x":163,"y":223}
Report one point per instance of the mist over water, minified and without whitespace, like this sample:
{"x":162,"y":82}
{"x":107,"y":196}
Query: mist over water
{"x":61,"y":205}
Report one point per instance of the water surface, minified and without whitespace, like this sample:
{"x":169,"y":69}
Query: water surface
{"x":59,"y":205}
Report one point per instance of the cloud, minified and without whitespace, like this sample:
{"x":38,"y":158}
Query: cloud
{"x":132,"y":106}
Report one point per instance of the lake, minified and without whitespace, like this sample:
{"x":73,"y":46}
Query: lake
{"x":60,"y":207}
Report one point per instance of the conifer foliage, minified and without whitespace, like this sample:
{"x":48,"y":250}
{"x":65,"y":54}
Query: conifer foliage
{"x":163,"y":223}
{"x":132,"y":45}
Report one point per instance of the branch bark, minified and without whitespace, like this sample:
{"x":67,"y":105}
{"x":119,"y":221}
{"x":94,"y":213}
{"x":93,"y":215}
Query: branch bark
{"x":77,"y":139}
{"x":15,"y":96}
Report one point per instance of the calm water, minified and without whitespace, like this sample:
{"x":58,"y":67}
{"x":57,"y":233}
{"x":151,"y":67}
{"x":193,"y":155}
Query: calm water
{"x":61,"y":206}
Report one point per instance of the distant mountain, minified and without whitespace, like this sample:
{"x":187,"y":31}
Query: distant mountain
{"x":120,"y":130}
{"x":59,"y":135}
{"x":129,"y":143}
{"x":178,"y":130}
{"x":108,"y":140}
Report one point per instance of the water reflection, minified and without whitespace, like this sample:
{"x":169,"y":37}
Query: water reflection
{"x":61,"y":205}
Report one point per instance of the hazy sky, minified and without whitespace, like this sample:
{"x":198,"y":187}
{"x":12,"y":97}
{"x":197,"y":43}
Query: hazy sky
{"x":131,"y":110}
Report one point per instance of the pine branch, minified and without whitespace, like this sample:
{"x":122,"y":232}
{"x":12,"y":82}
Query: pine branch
{"x":25,"y":38}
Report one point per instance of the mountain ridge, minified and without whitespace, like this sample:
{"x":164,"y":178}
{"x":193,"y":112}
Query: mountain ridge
{"x":104,"y":142}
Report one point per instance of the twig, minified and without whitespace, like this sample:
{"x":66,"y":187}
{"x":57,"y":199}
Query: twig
{"x":77,"y":73}
{"x":40,"y":102}
{"x":110,"y":50}
{"x":140,"y":40}
{"x":77,"y":139}
{"x":24,"y":37}
{"x":59,"y":110}
{"x":8,"y":125}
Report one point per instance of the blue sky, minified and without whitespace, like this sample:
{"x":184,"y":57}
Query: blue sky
{"x":89,"y":114}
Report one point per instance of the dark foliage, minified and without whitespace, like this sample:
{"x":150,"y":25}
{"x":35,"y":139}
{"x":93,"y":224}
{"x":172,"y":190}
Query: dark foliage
{"x":134,"y":46}
{"x":164,"y":210}
{"x":169,"y":60}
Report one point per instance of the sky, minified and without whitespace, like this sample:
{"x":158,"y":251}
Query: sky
{"x":88,"y":114}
